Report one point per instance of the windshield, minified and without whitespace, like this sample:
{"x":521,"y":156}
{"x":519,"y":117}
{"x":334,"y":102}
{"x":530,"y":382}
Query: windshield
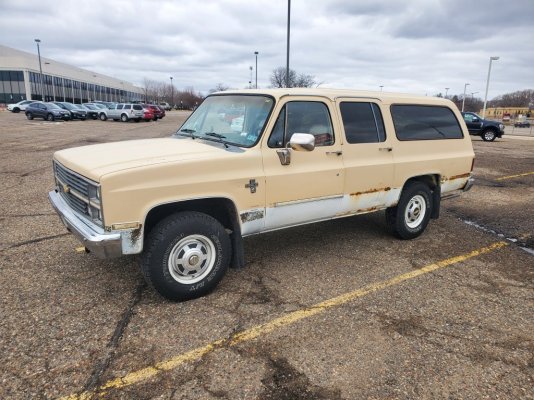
{"x":52,"y":106}
{"x":69,"y":106}
{"x":231,"y":119}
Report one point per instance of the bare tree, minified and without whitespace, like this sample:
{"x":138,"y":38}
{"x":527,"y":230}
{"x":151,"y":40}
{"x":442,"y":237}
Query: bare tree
{"x":220,"y":87}
{"x":278,"y":79}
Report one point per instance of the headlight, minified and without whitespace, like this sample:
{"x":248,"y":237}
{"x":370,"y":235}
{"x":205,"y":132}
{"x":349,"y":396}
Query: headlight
{"x":95,"y":210}
{"x":501,"y":127}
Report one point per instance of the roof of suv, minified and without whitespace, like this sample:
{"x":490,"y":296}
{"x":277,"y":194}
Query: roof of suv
{"x":333,"y":94}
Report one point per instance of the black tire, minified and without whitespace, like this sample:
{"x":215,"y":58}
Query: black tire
{"x":103,"y":117}
{"x":16,"y":110}
{"x":124,"y":118}
{"x":83,"y":119}
{"x":50,"y":117}
{"x":488,"y":135}
{"x":186,"y":234}
{"x":155,"y":119}
{"x":29,"y":115}
{"x":405,"y":220}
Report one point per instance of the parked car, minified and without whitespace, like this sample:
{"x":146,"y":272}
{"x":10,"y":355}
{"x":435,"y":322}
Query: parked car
{"x":126,"y":112}
{"x":163,"y":113}
{"x":102,"y":110}
{"x":166,"y":106}
{"x":75,"y":111}
{"x":487,"y":129}
{"x":148,"y":113}
{"x":20,"y":106}
{"x":47,"y":111}
{"x":92,"y":110}
{"x":156,"y":110}
{"x":522,"y":122}
{"x":301,"y":156}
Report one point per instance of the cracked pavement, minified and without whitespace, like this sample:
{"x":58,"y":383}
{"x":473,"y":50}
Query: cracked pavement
{"x":72,"y":323}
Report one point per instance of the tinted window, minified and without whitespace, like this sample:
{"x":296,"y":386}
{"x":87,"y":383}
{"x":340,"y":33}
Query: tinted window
{"x":127,"y":106}
{"x":119,"y":106}
{"x":137,"y":107}
{"x":414,"y":122}
{"x":362,"y":122}
{"x":303,"y":117}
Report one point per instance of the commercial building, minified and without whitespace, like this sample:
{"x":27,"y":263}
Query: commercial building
{"x":20,"y":79}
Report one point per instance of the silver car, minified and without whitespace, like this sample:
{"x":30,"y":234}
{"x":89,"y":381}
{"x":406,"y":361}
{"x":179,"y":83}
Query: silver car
{"x":126,"y":112}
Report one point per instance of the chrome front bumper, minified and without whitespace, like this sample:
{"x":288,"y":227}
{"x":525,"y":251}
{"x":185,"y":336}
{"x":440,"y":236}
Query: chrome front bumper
{"x":100,"y":243}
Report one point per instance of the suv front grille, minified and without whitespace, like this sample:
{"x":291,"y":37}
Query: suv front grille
{"x":73,"y":188}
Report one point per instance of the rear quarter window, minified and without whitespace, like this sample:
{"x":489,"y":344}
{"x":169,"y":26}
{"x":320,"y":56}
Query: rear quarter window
{"x":418,"y":122}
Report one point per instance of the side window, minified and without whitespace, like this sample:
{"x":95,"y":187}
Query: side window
{"x":127,"y":106}
{"x":119,"y":106}
{"x":303,"y":117}
{"x":362,"y":122}
{"x":137,"y":107}
{"x":468,"y":117}
{"x":416,"y":122}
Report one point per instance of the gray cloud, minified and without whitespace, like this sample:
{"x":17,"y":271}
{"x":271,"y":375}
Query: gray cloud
{"x":417,"y":46}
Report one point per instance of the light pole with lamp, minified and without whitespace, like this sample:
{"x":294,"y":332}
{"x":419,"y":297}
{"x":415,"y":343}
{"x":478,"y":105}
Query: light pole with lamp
{"x":256,"y":54}
{"x":446,"y":91}
{"x":172,"y":93}
{"x":40,"y":68}
{"x":381,"y":87}
{"x":463,"y":100}
{"x":487,"y":86}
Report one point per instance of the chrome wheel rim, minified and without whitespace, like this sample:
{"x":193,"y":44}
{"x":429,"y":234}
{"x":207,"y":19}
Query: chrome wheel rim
{"x":415,"y":211}
{"x":192,"y":259}
{"x":489,"y":135}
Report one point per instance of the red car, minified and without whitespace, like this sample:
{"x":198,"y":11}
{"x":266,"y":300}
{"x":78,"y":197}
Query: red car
{"x":148,"y":113}
{"x":156,"y":110}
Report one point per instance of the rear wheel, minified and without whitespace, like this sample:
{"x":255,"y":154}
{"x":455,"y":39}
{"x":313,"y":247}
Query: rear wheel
{"x":488,"y":136}
{"x":124,"y":118}
{"x":409,"y":218}
{"x":186,"y":255}
{"x":29,"y":115}
{"x":16,"y":110}
{"x":50,"y":117}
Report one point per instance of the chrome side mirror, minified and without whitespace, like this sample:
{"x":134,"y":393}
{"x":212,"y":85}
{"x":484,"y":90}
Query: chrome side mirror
{"x":302,"y":142}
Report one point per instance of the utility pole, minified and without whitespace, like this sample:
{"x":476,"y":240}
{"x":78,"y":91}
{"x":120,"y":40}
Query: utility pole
{"x":463,"y":100}
{"x":40,"y":69}
{"x":256,"y":54}
{"x":288,"y":31}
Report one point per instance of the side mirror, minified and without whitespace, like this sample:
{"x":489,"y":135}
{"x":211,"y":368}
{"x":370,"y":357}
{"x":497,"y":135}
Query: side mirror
{"x":302,"y":142}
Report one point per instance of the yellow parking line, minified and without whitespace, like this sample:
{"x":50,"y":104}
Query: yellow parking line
{"x":514,"y":176}
{"x":263,"y":329}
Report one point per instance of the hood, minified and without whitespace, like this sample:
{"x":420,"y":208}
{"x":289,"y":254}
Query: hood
{"x":98,"y":160}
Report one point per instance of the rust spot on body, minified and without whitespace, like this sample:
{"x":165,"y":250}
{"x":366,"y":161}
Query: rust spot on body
{"x":367,"y":210}
{"x":460,"y":176}
{"x":134,"y":236}
{"x":371,"y":191}
{"x":251,"y":216}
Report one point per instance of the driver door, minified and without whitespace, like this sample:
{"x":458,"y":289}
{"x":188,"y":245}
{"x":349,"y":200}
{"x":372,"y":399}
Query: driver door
{"x":310,"y":187}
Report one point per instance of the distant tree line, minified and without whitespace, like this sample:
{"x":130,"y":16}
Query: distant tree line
{"x":157,"y":91}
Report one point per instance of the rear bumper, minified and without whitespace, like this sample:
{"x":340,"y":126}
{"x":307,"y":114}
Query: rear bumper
{"x":102,"y":244}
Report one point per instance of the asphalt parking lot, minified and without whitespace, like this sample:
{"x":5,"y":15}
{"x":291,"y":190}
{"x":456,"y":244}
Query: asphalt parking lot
{"x":336,"y":310}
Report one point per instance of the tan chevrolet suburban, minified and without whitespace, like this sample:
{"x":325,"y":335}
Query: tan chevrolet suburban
{"x":252,"y":161}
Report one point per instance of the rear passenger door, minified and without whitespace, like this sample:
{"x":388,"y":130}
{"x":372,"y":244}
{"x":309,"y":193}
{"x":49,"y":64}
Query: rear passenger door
{"x":367,"y":156}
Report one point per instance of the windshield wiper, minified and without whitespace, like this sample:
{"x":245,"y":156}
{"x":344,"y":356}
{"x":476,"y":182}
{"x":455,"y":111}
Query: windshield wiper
{"x":218,"y":136}
{"x":187,"y":131}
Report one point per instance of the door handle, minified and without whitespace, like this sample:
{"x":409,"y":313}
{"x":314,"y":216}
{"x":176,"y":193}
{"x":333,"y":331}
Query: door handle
{"x":385,"y":149}
{"x":337,"y":153}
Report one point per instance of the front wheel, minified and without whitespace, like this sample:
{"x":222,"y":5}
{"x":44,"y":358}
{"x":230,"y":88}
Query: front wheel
{"x":186,"y":255}
{"x":488,"y":136}
{"x":29,"y":116}
{"x":50,"y":117}
{"x":16,"y":110}
{"x":409,"y":218}
{"x":103,"y":117}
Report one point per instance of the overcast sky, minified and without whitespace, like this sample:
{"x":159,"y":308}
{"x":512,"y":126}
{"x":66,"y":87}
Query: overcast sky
{"x":415,"y":46}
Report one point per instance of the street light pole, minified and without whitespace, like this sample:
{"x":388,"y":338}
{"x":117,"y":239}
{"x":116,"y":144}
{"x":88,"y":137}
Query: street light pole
{"x":487,"y":86}
{"x":172,"y":94}
{"x":256,"y":54}
{"x":446,"y":91}
{"x":288,"y":31}
{"x":381,"y":86}
{"x":40,"y":68}
{"x":463,"y":100}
